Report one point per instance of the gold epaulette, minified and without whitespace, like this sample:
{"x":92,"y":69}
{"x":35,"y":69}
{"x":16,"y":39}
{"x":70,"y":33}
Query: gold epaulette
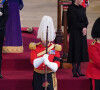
{"x":32,"y":45}
{"x":93,"y":43}
{"x":58,"y":47}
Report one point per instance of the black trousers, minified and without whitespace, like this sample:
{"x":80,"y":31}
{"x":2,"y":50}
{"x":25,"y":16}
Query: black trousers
{"x":94,"y":84}
{"x":2,"y":33}
{"x":38,"y":80}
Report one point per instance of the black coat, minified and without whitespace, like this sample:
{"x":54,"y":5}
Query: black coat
{"x":4,"y":17}
{"x":77,"y":20}
{"x":3,"y":20}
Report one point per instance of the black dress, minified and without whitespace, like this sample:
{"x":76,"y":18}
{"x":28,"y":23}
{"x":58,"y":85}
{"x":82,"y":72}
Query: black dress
{"x":77,"y":20}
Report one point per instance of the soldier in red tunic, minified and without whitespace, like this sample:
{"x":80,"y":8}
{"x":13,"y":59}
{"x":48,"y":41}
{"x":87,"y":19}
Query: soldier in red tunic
{"x":93,"y":69}
{"x":39,"y":58}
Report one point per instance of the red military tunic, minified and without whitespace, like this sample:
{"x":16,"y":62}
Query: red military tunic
{"x":93,"y":69}
{"x":40,"y":51}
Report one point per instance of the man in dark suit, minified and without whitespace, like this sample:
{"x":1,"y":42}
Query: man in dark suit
{"x":3,"y":19}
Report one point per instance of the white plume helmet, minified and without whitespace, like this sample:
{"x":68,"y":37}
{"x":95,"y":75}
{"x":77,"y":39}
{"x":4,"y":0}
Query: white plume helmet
{"x":46,"y":21}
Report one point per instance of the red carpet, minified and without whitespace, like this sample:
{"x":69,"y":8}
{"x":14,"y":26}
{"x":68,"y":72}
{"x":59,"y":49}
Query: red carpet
{"x":17,"y":71}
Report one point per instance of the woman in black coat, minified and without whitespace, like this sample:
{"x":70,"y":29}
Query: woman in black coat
{"x":77,"y":28}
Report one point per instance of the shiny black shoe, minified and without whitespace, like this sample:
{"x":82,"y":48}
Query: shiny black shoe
{"x":1,"y":76}
{"x":75,"y":75}
{"x":80,"y":74}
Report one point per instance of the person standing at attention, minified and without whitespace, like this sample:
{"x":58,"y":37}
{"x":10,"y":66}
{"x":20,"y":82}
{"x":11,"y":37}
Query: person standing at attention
{"x":77,"y":28}
{"x":13,"y":36}
{"x":3,"y":19}
{"x":40,"y":59}
{"x":93,"y":69}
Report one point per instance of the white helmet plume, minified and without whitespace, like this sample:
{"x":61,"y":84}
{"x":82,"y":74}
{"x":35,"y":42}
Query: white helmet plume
{"x":46,"y":21}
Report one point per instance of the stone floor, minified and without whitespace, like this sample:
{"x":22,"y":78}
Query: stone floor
{"x":34,"y":10}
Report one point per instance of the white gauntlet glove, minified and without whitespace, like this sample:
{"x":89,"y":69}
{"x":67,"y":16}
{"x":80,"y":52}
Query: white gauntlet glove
{"x":46,"y":61}
{"x":53,"y":66}
{"x":1,"y":13}
{"x":37,"y":62}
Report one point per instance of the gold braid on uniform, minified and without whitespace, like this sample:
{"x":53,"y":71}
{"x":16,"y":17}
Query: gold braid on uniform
{"x":54,"y":81}
{"x":93,"y":43}
{"x":43,"y":52}
{"x":58,"y":47}
{"x":32,"y":45}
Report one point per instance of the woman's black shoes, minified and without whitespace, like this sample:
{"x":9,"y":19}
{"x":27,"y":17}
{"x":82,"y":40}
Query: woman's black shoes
{"x":77,"y":74}
{"x":74,"y":73}
{"x":80,"y":74}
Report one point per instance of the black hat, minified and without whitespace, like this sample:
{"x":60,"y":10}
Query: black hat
{"x":95,"y":33}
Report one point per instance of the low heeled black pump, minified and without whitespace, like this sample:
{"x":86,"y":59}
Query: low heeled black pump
{"x":74,"y":74}
{"x":80,"y":74}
